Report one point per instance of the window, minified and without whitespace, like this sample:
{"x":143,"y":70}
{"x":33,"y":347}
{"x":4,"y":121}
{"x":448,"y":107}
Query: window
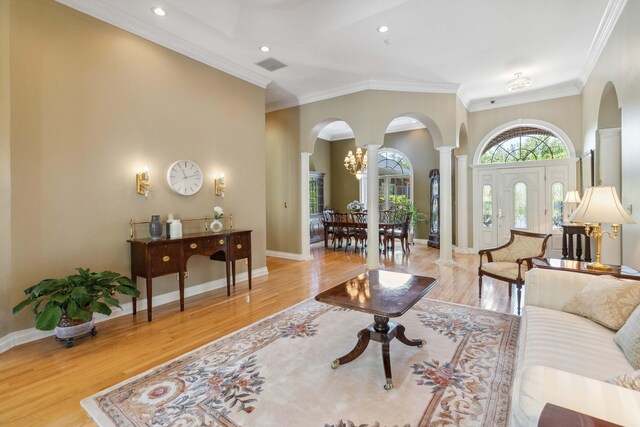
{"x":520,"y":205}
{"x":557,"y":193}
{"x":394,"y":179}
{"x":487,"y":206}
{"x":316,"y":192}
{"x":524,"y":143}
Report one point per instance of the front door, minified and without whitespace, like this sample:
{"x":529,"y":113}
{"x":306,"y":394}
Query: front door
{"x":520,"y":201}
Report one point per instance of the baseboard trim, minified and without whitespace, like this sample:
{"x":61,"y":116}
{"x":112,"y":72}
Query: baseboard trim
{"x":32,"y":334}
{"x":420,"y":241}
{"x":288,"y":255}
{"x":464,"y":251}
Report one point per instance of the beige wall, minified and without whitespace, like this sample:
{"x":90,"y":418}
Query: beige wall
{"x":345,"y":188}
{"x":619,"y":65}
{"x":320,"y":161}
{"x":90,"y":104}
{"x":564,"y":113}
{"x":283,"y":181}
{"x":5,"y":172}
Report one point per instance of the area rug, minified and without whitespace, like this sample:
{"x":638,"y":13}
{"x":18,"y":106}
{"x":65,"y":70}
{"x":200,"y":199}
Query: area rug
{"x":276,"y":372}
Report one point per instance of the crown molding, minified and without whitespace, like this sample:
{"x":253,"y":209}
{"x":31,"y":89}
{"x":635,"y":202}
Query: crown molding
{"x":559,"y":91}
{"x":103,"y":12}
{"x":607,"y":24}
{"x":404,"y":127}
{"x":368,"y":84}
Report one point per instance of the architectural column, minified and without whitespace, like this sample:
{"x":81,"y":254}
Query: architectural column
{"x":463,"y":210}
{"x":446,"y":246}
{"x":610,"y":175}
{"x":305,"y":250}
{"x":373,"y":215}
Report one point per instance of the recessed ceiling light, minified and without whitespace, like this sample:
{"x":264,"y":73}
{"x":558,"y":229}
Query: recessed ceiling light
{"x":159,"y":11}
{"x":265,"y":48}
{"x":383,"y":29}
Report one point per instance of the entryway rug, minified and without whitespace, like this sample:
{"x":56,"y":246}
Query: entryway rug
{"x":276,"y":372}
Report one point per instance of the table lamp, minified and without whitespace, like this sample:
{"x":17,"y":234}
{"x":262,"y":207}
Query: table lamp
{"x":572,"y":199}
{"x":601,"y":205}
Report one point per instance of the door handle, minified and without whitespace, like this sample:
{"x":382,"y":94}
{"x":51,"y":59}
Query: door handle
{"x":500,"y":216}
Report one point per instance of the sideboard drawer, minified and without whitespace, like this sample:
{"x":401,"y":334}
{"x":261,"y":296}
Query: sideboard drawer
{"x":240,"y":246}
{"x":164,"y":259}
{"x":208,"y":245}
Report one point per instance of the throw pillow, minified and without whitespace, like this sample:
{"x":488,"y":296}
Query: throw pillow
{"x":606,"y":300}
{"x":629,"y":380}
{"x":628,"y":339}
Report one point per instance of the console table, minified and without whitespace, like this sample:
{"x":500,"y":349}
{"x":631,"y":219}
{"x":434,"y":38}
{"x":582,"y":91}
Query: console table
{"x":621,"y":271}
{"x":154,"y":258}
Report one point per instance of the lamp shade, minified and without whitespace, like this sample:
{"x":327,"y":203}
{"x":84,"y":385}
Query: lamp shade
{"x":572,"y":196}
{"x":601,"y":205}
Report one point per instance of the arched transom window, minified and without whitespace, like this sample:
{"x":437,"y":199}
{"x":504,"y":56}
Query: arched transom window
{"x":524,"y":143}
{"x":394,"y":179}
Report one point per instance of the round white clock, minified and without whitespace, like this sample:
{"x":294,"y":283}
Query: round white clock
{"x":185,"y":177}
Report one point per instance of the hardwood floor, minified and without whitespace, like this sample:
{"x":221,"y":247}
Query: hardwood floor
{"x":43,"y":383}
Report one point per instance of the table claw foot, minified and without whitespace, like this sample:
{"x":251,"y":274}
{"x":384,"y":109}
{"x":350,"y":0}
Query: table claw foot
{"x":335,"y":364}
{"x":422,"y":343}
{"x":389,"y":384}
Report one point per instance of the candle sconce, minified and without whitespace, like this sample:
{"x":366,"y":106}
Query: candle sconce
{"x":219,"y":185}
{"x":143,"y":187}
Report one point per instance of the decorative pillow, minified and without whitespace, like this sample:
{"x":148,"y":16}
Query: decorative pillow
{"x":629,"y":380}
{"x":606,"y":300}
{"x":628,"y":339}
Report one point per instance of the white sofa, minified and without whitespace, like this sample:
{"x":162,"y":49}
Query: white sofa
{"x":565,"y":359}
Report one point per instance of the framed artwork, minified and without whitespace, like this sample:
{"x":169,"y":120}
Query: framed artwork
{"x":587,"y":170}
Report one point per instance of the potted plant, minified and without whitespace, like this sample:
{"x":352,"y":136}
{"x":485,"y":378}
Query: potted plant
{"x":68,"y":304}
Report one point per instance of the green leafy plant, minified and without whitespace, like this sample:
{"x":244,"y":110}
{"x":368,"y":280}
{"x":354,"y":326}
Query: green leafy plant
{"x":401,"y":203}
{"x":77,"y":296}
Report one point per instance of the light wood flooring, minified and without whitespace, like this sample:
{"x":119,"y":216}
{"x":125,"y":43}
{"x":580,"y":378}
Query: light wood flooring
{"x":42,"y":383}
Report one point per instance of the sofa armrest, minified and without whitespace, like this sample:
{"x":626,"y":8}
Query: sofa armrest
{"x":553,"y":288}
{"x":540,"y":385}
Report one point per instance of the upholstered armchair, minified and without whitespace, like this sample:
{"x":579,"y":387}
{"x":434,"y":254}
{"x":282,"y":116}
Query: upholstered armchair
{"x":511,"y":261}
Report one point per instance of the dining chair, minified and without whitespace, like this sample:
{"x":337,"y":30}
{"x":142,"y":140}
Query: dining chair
{"x":327,"y":220}
{"x":341,"y":229}
{"x":359,"y":229}
{"x":401,"y":231}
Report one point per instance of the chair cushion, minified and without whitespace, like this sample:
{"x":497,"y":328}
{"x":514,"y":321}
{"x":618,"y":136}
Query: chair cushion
{"x":521,"y":247}
{"x":606,"y":300}
{"x":628,"y":338}
{"x":508,"y":270}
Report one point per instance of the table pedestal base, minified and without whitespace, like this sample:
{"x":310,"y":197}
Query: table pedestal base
{"x":383,"y":332}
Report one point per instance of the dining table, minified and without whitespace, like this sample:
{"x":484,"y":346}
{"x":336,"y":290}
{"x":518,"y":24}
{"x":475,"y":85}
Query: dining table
{"x":350,"y":224}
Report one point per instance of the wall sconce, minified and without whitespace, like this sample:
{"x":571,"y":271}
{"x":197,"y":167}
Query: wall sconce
{"x":219,"y":185}
{"x":142,"y":182}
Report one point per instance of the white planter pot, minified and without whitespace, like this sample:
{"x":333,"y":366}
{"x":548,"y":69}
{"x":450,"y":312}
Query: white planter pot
{"x":74,"y":329}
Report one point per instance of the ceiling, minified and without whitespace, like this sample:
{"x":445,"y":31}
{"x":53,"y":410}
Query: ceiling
{"x":332,"y":47}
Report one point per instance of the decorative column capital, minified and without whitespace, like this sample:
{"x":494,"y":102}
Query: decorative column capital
{"x":305,"y":155}
{"x":445,"y":149}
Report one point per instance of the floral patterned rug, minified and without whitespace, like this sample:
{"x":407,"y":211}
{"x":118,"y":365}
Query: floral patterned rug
{"x":277,"y":372}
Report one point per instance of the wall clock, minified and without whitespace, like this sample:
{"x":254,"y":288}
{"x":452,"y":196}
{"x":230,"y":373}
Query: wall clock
{"x":185,"y":177}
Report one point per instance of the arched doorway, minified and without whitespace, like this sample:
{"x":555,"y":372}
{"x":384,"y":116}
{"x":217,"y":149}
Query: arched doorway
{"x":522,"y":171}
{"x":609,"y":160}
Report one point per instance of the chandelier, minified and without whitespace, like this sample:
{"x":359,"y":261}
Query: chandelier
{"x":518,"y":83}
{"x":357,"y":164}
